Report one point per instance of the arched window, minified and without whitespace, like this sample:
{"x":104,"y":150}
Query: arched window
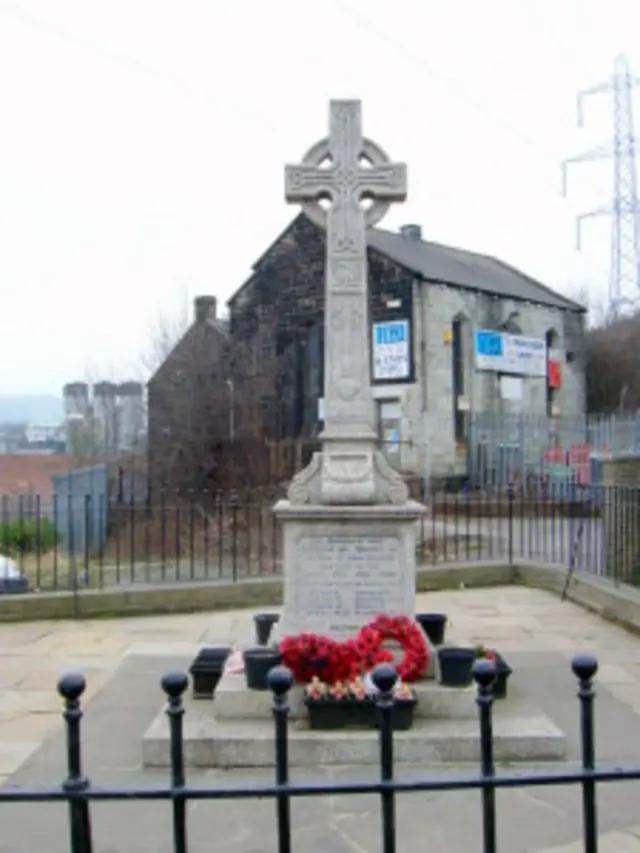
{"x":458,"y":369}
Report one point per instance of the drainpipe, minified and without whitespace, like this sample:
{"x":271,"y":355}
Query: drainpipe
{"x":421,"y":302}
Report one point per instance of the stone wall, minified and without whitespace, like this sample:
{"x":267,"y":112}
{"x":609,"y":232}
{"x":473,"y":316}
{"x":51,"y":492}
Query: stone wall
{"x":188,"y":409}
{"x":428,"y":404}
{"x":621,"y":514}
{"x":277,"y":328}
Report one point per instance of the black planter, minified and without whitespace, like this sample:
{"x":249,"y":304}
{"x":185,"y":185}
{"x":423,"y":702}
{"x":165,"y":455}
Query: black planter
{"x":401,"y":716}
{"x":206,"y":670}
{"x":500,"y":684}
{"x":258,"y":663}
{"x":456,"y":666}
{"x":264,"y":623}
{"x":327,"y":713}
{"x":433,"y":624}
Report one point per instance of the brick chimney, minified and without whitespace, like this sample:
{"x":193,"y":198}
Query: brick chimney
{"x":205,"y":308}
{"x":411,"y":233}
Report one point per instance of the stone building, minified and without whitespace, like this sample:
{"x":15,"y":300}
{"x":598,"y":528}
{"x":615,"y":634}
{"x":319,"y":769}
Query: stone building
{"x":453,"y":332}
{"x":188,"y":412}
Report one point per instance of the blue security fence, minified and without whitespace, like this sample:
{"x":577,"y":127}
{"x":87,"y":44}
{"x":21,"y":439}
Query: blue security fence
{"x":81,"y":510}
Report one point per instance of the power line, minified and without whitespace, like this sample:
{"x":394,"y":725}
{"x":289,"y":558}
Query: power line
{"x":449,"y":83}
{"x":624,"y":208}
{"x":131,"y":63}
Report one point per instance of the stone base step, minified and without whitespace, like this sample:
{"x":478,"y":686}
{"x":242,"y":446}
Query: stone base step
{"x":233,"y":701}
{"x":521,"y":733}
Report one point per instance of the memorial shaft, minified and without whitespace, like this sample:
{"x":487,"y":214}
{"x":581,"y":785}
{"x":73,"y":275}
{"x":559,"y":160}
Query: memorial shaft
{"x":348,"y":525}
{"x":346,"y":170}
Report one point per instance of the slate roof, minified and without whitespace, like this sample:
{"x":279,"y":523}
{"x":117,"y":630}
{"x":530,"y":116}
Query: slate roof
{"x":461,"y":268}
{"x":448,"y":265}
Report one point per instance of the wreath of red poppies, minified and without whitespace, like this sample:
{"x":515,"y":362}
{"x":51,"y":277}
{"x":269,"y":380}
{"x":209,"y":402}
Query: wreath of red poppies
{"x":312,"y":655}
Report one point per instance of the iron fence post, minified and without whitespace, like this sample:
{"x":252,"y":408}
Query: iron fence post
{"x":280,"y":681}
{"x":177,"y":537}
{"x":132,"y":534}
{"x":56,"y":547}
{"x":510,"y":499}
{"x":234,"y":538}
{"x":38,"y":540}
{"x":163,"y":533}
{"x":87,"y":537}
{"x":484,"y":673}
{"x":384,"y":677}
{"x":584,"y":668}
{"x":220,"y":528}
{"x":22,"y":547}
{"x":192,"y":534}
{"x":205,"y":534}
{"x":71,"y":687}
{"x":174,"y":685}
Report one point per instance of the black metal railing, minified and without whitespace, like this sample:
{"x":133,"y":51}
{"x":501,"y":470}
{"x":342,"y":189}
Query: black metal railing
{"x":88,"y":541}
{"x":78,"y":792}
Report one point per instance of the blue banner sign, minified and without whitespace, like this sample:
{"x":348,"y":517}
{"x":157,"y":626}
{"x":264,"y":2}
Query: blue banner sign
{"x":514,"y":354}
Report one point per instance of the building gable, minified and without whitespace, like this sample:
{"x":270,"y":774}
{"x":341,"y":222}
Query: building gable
{"x":432,"y":262}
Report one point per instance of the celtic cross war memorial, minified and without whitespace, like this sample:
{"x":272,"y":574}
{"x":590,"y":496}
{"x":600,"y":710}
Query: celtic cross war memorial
{"x":348,"y":525}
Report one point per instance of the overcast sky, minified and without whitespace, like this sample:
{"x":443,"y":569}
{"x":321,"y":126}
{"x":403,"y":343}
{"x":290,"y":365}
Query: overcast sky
{"x":142,"y":146}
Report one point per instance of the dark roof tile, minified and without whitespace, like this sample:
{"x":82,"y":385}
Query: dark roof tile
{"x":459,"y":267}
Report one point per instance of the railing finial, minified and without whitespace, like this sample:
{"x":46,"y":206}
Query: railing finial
{"x":384,"y":677}
{"x":71,"y":686}
{"x":174,"y":684}
{"x":280,"y":680}
{"x":584,"y":666}
{"x":484,"y":673}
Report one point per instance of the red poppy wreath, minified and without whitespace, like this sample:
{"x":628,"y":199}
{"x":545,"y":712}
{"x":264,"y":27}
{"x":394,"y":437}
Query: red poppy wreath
{"x":311,"y":655}
{"x":408,"y":635}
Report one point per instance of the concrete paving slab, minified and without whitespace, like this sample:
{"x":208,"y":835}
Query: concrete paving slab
{"x":115,"y":719}
{"x":626,"y":841}
{"x":12,"y":755}
{"x":163,"y":649}
{"x":128,"y":697}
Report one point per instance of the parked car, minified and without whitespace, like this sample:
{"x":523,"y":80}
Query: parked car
{"x":12,"y":580}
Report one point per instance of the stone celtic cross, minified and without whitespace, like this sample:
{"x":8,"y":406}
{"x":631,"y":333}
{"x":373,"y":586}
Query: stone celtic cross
{"x":347,"y":171}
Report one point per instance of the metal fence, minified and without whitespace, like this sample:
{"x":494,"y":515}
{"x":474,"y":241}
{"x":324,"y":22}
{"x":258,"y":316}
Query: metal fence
{"x":79,"y":793}
{"x":560,"y":452}
{"x":199,"y":537}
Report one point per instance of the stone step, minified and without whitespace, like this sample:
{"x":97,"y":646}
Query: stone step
{"x":233,"y":701}
{"x":521,"y":733}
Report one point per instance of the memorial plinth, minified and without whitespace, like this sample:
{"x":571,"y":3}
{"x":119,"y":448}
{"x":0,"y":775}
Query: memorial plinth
{"x":241,"y":732}
{"x":343,"y":565}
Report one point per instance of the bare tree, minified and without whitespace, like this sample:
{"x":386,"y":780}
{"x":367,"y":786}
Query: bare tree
{"x":164,"y":335}
{"x":613,"y":365}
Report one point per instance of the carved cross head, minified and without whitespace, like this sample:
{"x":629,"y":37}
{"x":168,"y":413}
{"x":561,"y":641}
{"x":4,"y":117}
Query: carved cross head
{"x":346,"y":171}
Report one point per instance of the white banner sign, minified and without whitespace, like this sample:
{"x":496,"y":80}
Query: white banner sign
{"x":391,"y":350}
{"x":514,"y":354}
